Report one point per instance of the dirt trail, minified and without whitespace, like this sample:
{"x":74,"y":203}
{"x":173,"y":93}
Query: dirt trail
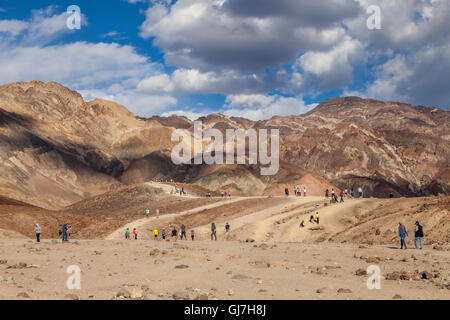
{"x":142,"y":223}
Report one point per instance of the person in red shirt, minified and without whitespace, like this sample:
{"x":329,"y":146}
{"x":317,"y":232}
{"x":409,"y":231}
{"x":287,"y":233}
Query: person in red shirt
{"x":342,"y":196}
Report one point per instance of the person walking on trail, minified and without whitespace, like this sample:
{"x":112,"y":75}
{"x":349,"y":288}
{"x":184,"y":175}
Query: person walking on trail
{"x":155,"y":233}
{"x":174,"y":233}
{"x":227,"y":227}
{"x":311,"y":219}
{"x":147,"y":212}
{"x":37,"y":229}
{"x":295,"y":191}
{"x":127,"y":234}
{"x":342,"y":196}
{"x":352,"y":193}
{"x":64,"y":238}
{"x":286,"y":191}
{"x":302,"y":224}
{"x":229,"y":194}
{"x":402,"y":233}
{"x":326,"y":193}
{"x":183,"y":232}
{"x":135,"y":234}
{"x":317,"y":217}
{"x":60,"y":230}
{"x":192,"y":235}
{"x":163,"y":234}
{"x":360,"y":192}
{"x":213,"y":231}
{"x":418,"y":235}
{"x":332,"y":193}
{"x":69,"y":231}
{"x":304,"y":191}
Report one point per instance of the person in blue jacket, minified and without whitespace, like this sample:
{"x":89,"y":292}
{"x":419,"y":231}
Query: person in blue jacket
{"x":402,"y":233}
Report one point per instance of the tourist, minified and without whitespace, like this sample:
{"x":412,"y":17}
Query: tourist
{"x":192,"y":235}
{"x":360,"y":192}
{"x":227,"y":227}
{"x":342,"y":196}
{"x":155,"y":233}
{"x":127,"y":234}
{"x":402,"y":234}
{"x":135,"y":234}
{"x":38,"y":233}
{"x":147,"y":212}
{"x":69,"y":231}
{"x":64,"y":238}
{"x":302,"y":224}
{"x":213,"y":231}
{"x":352,"y":193}
{"x":174,"y":233}
{"x":60,"y":230}
{"x":311,"y":219}
{"x":163,"y":234}
{"x":304,"y":191}
{"x":183,"y":232}
{"x":418,"y":235}
{"x":326,"y":193}
{"x":317,"y":217}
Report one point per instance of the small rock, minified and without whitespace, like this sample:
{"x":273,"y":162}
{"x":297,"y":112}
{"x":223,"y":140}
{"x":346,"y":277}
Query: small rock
{"x":230,"y":292}
{"x":23,"y":295}
{"x":249,"y":240}
{"x":37,"y":278}
{"x":71,"y":296}
{"x":136,"y":293}
{"x":124,"y":293}
{"x":182,"y":266}
{"x":341,"y":290}
{"x":239,"y":277}
{"x":201,"y":297}
{"x":397,"y":296}
{"x":158,"y":261}
{"x":154,"y":252}
{"x":3,"y":261}
{"x":180,"y":296}
{"x":361,"y":272}
{"x":362,"y":247}
{"x":426,"y":275}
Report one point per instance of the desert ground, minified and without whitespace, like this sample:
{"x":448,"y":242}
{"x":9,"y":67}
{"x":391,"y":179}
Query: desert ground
{"x":266,"y":254}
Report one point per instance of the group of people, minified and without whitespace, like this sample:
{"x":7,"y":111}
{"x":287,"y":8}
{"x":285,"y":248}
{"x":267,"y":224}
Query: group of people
{"x":343,"y":194}
{"x":175,"y":234}
{"x":297,"y":191}
{"x":418,"y":235}
{"x":178,"y":190}
{"x":64,"y":231}
{"x":312,"y":219}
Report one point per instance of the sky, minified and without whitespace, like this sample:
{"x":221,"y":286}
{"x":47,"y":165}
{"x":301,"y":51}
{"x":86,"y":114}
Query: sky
{"x":248,"y":58}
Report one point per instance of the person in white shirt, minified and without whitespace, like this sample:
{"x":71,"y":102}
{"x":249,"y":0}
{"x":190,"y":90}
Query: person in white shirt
{"x":38,"y":233}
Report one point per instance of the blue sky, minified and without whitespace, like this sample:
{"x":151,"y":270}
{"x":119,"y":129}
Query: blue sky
{"x":255,"y":58}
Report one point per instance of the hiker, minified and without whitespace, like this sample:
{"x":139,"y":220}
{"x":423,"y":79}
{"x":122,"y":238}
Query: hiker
{"x":342,"y":196}
{"x":286,"y":191}
{"x":147,"y":212}
{"x":192,"y":235}
{"x":227,"y":227}
{"x":64,"y":238}
{"x":155,"y":233}
{"x":69,"y":231}
{"x":332,"y":193}
{"x":222,"y":194}
{"x":391,"y":195}
{"x":418,"y":235}
{"x":213,"y":231}
{"x":311,"y":219}
{"x":295,"y":191}
{"x":360,"y":192}
{"x":402,"y":234}
{"x":326,"y":193}
{"x":179,"y":234}
{"x":60,"y":230}
{"x":304,"y":191}
{"x":229,"y":194}
{"x":174,"y":233}
{"x":299,"y":192}
{"x":352,"y":193}
{"x":163,"y":234}
{"x":38,"y":233}
{"x":346,"y":193}
{"x":302,"y":224}
{"x":183,"y":232}
{"x":135,"y":234}
{"x":317,"y":217}
{"x":127,"y":234}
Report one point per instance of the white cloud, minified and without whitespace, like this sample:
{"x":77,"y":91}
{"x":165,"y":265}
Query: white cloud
{"x":191,"y":115}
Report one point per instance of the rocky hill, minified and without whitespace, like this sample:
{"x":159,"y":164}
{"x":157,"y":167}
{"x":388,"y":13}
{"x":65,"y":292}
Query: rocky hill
{"x":56,"y":149}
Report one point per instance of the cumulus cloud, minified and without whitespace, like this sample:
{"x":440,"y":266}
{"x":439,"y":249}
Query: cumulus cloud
{"x":247,"y":36}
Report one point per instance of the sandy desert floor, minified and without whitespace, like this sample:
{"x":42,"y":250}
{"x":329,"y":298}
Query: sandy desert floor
{"x":266,"y":255}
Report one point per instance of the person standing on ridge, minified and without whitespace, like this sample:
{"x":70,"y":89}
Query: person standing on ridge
{"x":360,"y":192}
{"x":183,"y":232}
{"x":418,"y":235}
{"x":38,"y":233}
{"x":174,"y":233}
{"x":402,"y":234}
{"x":352,"y":193}
{"x":213,"y":231}
{"x":64,"y":238}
